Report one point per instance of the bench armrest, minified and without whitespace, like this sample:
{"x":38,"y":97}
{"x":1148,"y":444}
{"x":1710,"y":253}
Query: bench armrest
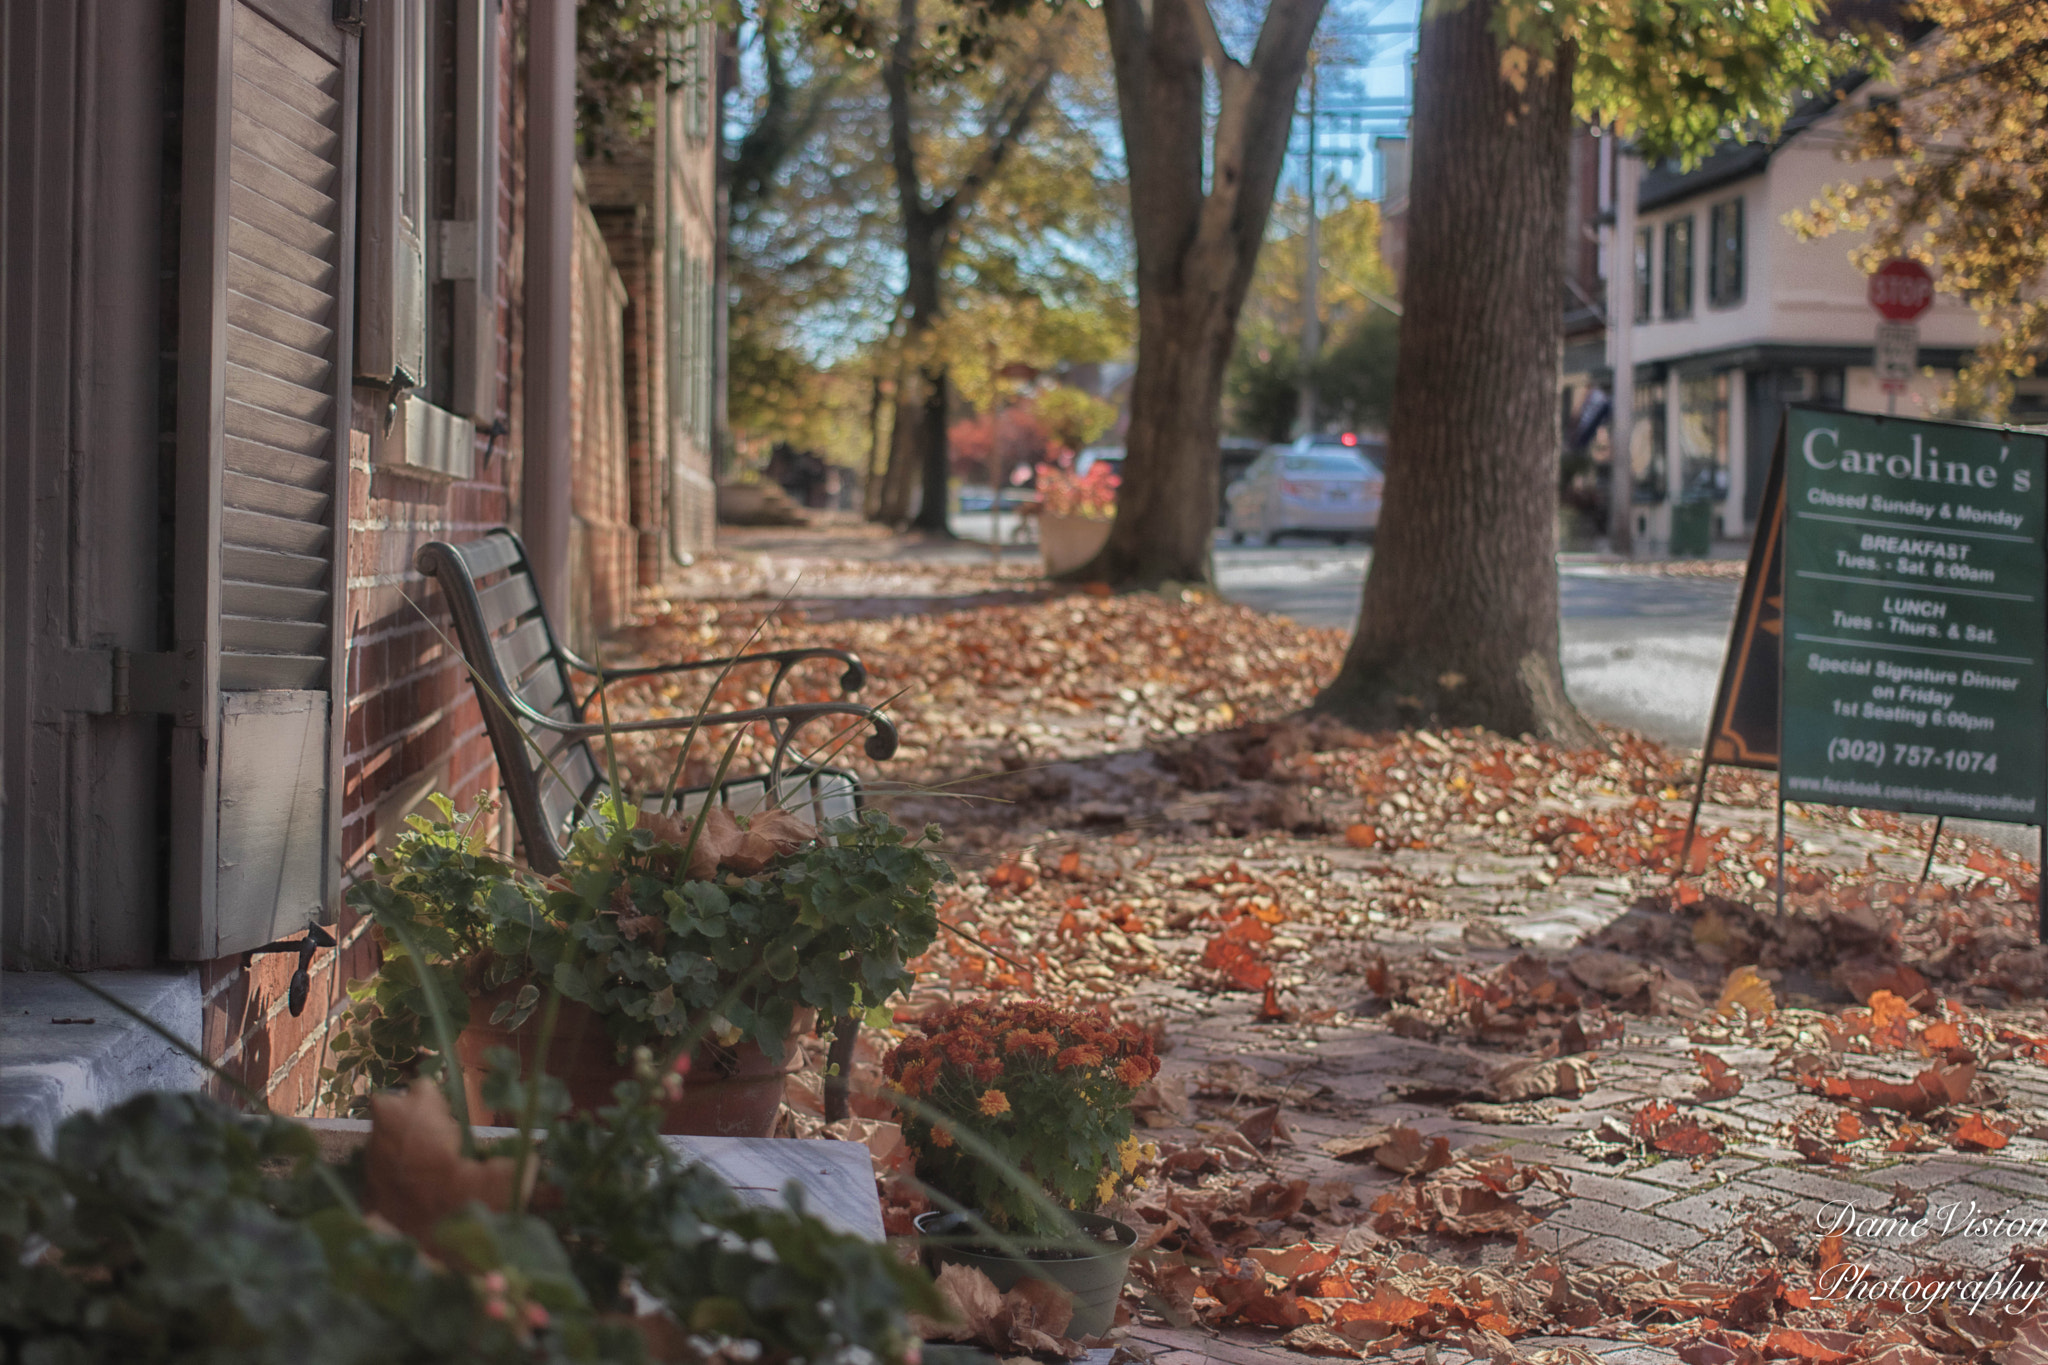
{"x":879,"y":745}
{"x":852,"y":680}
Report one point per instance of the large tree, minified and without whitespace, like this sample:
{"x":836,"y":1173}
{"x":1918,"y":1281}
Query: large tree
{"x":930,"y":210}
{"x":1201,"y":189}
{"x":1459,"y":621}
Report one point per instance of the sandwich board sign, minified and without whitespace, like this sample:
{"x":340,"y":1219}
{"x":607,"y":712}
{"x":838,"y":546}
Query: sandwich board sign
{"x":1900,"y":587}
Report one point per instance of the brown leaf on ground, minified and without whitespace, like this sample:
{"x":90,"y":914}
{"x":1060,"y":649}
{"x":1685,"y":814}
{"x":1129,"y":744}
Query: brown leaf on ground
{"x":2029,"y":1344}
{"x":1747,"y":991}
{"x":973,"y":1299}
{"x":1718,"y":1082}
{"x":1660,"y":1125}
{"x":1527,"y":1111}
{"x":1820,"y":1347}
{"x":1977,"y":1134}
{"x":1264,"y":1127}
{"x":1034,"y":1316}
{"x":414,"y":1172}
{"x":1471,"y":1197}
{"x":1608,"y":972}
{"x":1407,"y":1152}
{"x":1864,"y":977}
{"x":1161,"y":1102}
{"x":1314,"y":1339}
{"x":1936,"y":1087}
{"x":1536,"y":1077}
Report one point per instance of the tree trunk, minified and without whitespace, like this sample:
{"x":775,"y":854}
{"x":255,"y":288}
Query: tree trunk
{"x":1166,"y":507}
{"x":1459,"y":624}
{"x":1196,"y":245}
{"x":933,"y":452}
{"x":901,"y":480}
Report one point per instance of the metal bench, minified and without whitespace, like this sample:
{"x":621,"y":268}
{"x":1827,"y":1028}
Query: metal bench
{"x":540,"y":722}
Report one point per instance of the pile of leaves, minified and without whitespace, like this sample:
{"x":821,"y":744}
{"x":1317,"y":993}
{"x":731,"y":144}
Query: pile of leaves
{"x":976,"y":691}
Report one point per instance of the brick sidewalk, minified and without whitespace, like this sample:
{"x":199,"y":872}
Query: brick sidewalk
{"x":1718,"y":1219}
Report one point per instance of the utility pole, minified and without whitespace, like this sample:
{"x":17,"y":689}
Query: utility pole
{"x":1621,"y":316}
{"x":1311,"y":322}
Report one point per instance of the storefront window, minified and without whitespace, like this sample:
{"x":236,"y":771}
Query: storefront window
{"x":1646,"y":443}
{"x":1703,"y":436}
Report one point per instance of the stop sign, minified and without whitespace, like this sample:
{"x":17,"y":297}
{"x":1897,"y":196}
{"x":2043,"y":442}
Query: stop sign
{"x":1901,"y":289}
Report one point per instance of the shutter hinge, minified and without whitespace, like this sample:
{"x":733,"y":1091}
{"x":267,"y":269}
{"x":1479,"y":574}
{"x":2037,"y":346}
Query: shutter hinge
{"x":348,"y":14}
{"x":167,"y":683}
{"x":120,"y":682}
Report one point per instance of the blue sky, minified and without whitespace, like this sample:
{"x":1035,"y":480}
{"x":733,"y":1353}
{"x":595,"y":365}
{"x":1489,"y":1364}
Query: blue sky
{"x":1364,"y":49}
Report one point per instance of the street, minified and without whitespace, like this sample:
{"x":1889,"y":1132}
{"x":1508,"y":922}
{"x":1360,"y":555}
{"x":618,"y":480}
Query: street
{"x":1640,"y":650}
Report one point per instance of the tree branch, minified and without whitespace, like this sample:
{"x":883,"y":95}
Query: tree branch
{"x":902,"y":146}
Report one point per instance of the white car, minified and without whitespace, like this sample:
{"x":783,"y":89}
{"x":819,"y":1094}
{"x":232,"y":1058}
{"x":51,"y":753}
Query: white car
{"x":1320,"y":485}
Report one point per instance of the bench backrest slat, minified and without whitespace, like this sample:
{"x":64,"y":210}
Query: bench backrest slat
{"x":512,"y":650}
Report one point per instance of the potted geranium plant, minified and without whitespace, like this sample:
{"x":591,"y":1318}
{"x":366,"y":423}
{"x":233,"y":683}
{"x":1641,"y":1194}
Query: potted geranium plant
{"x":713,"y":941}
{"x":1020,"y":1115}
{"x":174,"y":1227}
{"x":1075,"y":511}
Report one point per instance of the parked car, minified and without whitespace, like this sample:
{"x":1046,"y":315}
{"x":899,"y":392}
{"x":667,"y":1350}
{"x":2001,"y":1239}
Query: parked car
{"x":1318,"y":485}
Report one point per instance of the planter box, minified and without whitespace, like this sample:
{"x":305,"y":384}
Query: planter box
{"x":1069,"y":542}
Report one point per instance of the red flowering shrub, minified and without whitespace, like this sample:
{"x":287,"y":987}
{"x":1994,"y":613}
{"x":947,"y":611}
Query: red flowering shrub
{"x":1067,"y":494}
{"x":1048,"y":1089}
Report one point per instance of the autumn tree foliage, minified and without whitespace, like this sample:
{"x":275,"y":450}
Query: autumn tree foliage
{"x":1459,"y":621}
{"x":1965,"y":185}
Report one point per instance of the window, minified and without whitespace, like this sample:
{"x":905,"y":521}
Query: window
{"x":1645,"y":297}
{"x":1646,"y":443}
{"x":1724,"y":254}
{"x":1703,"y":436}
{"x":1678,"y":267}
{"x":427,"y":321}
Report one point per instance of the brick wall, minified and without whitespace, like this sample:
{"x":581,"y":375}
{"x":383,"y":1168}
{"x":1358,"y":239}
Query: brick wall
{"x":413,"y":723}
{"x":605,"y":547}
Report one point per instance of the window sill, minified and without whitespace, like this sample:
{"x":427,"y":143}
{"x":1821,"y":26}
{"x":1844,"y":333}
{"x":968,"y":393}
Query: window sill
{"x":424,"y":439}
{"x":49,"y":1070}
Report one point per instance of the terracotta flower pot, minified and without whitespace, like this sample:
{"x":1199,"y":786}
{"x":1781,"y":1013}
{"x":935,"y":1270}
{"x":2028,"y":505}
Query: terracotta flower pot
{"x":730,"y":1091}
{"x":1069,"y":542}
{"x":1095,"y":1281}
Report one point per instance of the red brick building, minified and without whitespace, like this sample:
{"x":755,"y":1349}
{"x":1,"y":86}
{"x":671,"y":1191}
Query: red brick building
{"x":289,"y":288}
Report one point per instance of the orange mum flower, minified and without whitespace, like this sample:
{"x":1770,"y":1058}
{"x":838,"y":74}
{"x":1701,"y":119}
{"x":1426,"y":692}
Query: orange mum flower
{"x":1078,"y":1056}
{"x":994,"y":1102}
{"x":1134,"y":1072}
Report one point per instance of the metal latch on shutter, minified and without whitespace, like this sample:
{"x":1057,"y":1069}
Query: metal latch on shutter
{"x":122,"y":682}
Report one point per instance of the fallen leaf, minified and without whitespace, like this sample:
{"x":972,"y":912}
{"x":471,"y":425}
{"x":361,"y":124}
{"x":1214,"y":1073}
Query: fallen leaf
{"x":1718,"y":1082}
{"x":1263,"y":1127}
{"x":1745,"y":990}
{"x":414,"y":1172}
{"x":1535,"y":1078}
{"x":1976,"y":1134}
{"x":1361,"y":836}
{"x":1407,"y":1152}
{"x":1314,"y":1339}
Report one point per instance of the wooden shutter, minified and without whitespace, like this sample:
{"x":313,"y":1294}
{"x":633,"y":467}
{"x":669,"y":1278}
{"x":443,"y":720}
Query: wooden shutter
{"x":392,"y":341}
{"x":475,"y":226}
{"x":265,"y":280}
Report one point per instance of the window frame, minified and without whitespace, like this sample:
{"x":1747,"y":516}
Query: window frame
{"x":411,"y":254}
{"x":1645,"y":274}
{"x":1723,"y":263}
{"x":1678,"y":267}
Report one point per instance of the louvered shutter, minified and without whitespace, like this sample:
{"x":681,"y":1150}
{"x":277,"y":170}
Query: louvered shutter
{"x":267,"y":252}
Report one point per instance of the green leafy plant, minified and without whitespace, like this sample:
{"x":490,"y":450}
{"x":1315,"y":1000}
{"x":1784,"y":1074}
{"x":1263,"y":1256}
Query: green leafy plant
{"x":173,"y":1228}
{"x":1042,"y":1091}
{"x":668,"y":928}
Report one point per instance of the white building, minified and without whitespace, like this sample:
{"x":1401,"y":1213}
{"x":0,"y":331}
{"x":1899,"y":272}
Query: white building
{"x":1732,"y":317}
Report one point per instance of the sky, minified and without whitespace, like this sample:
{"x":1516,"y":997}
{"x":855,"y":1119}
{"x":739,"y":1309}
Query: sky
{"x":1364,"y":48}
